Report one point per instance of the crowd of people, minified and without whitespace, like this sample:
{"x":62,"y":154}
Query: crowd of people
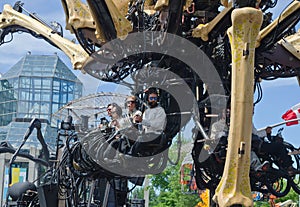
{"x":149,"y":125}
{"x":153,"y":120}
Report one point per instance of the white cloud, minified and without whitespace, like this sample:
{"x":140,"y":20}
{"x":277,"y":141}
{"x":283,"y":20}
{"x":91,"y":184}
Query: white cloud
{"x":13,"y":51}
{"x":23,"y":43}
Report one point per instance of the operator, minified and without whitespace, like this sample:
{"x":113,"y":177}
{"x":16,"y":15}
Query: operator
{"x":108,"y":110}
{"x":220,"y":129}
{"x":114,"y":111}
{"x":132,"y":112}
{"x":154,"y":117}
{"x":153,"y":122}
{"x":274,"y":148}
{"x":116,"y":116}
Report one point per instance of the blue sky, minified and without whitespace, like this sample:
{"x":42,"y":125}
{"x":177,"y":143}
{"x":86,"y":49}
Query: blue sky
{"x":278,"y":95}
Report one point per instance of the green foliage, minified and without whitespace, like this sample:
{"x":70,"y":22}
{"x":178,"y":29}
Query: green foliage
{"x":261,"y":204}
{"x":137,"y":193}
{"x":169,"y":193}
{"x":168,"y":188}
{"x":165,"y":188}
{"x":292,"y":195}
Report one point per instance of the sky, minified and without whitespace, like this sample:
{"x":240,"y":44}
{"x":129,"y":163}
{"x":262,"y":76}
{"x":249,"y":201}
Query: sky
{"x":278,"y":95}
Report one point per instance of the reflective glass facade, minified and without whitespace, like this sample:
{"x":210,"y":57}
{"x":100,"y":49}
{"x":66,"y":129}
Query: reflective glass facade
{"x":15,"y":131}
{"x":8,"y":102}
{"x":35,"y":87}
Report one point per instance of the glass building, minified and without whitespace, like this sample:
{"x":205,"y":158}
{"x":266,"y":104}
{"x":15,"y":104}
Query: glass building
{"x":8,"y":102}
{"x":35,"y":87}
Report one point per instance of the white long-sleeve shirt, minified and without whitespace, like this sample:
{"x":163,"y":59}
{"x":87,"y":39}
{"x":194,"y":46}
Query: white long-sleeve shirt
{"x":218,"y":129}
{"x":127,"y":119}
{"x":154,"y":119}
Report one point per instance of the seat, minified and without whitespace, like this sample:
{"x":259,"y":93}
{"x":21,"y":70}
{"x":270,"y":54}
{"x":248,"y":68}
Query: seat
{"x":156,"y":144}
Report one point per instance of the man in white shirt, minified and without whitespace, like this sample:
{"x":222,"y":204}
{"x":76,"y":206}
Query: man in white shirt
{"x":154,"y":121}
{"x":154,"y":118}
{"x":132,"y":111}
{"x":131,"y":105}
{"x":220,"y":129}
{"x":274,"y":148}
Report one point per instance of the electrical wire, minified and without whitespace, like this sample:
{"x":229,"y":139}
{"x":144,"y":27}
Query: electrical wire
{"x":259,"y":92}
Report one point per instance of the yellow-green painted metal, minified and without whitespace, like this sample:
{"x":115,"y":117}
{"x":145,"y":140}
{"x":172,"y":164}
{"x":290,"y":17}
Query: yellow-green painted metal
{"x":234,"y":187}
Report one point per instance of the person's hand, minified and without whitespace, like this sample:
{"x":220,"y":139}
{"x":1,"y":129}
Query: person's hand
{"x":269,"y":130}
{"x":137,"y":119}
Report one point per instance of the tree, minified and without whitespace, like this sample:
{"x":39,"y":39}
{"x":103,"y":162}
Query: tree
{"x":292,"y":195}
{"x":167,"y":186}
{"x":168,"y":190}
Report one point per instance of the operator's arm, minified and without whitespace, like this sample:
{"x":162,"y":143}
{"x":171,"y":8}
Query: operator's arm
{"x":218,"y":129}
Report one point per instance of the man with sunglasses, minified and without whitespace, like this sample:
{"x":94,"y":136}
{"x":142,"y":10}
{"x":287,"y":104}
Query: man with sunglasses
{"x":153,"y":121}
{"x":108,"y":109}
{"x":154,"y":118}
{"x":132,"y":110}
{"x":116,"y":116}
{"x":114,"y":112}
{"x":104,"y":121}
